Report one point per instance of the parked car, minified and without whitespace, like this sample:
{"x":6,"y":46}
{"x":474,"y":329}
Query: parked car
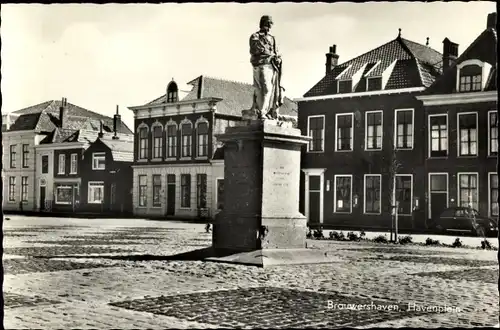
{"x":465,"y":220}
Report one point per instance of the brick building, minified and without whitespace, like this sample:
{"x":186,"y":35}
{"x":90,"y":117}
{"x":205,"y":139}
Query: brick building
{"x":461,"y":139}
{"x":367,"y":145}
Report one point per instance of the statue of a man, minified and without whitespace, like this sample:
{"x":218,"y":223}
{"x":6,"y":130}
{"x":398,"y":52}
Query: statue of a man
{"x":266,"y":64}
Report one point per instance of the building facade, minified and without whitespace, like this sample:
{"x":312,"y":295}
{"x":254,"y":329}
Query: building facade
{"x":175,"y":173}
{"x":365,"y":155}
{"x":461,"y":137}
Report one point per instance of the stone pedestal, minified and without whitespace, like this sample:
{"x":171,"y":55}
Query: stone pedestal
{"x":261,"y":219}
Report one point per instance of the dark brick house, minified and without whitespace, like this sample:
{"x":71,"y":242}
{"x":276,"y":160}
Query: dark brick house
{"x":367,"y":147}
{"x":461,"y":129}
{"x":175,"y":173}
{"x":106,"y":172}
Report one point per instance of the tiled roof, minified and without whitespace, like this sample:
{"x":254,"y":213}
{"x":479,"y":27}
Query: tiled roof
{"x":236,"y":96}
{"x":410,"y":58}
{"x":44,"y":117}
{"x":122,"y":150}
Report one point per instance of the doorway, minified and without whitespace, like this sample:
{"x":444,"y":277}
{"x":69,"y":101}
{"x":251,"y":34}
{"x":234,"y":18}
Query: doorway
{"x":438,"y":194}
{"x":42,"y":198}
{"x":171,"y":194}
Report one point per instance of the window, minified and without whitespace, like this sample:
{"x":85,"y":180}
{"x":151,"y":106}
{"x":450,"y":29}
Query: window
{"x":172,"y":92}
{"x":74,"y":164}
{"x":439,"y":182}
{"x":344,"y":125}
{"x":186,"y":139}
{"x":64,"y":194}
{"x":493,"y":133}
{"x":202,"y":130}
{"x":201,"y":190}
{"x":404,"y":193}
{"x":98,"y":161}
{"x":438,"y":126}
{"x":24,"y":188}
{"x":316,"y":130}
{"x":468,"y":190}
{"x":45,"y":164}
{"x":404,"y":129}
{"x":185,"y":190}
{"x":172,"y":141}
{"x":467,"y":135}
{"x":342,"y":193}
{"x":96,"y":192}
{"x":13,"y":156}
{"x":143,"y":143}
{"x":62,"y":164}
{"x":156,"y":190}
{"x":373,"y":130}
{"x":143,"y":190}
{"x":220,"y":194}
{"x":470,"y":78}
{"x":373,"y":188}
{"x":345,"y":86}
{"x":25,"y":155}
{"x":374,"y":84}
{"x":12,"y":189}
{"x":157,"y":142}
{"x":493,"y":195}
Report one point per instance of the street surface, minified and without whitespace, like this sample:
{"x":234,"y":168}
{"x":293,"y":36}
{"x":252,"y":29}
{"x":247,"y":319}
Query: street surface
{"x":113,"y":273}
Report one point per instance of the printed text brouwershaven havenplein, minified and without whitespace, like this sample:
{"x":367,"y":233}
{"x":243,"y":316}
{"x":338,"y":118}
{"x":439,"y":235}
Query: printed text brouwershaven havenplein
{"x":412,"y":307}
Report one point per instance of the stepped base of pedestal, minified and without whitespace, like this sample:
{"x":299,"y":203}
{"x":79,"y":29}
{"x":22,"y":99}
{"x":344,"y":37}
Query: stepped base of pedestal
{"x":274,"y":257}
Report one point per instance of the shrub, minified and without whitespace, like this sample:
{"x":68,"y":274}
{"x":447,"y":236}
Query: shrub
{"x":457,"y":243}
{"x":485,"y":245}
{"x":340,"y":236}
{"x":362,"y":234}
{"x":380,"y":239}
{"x":309,"y":233}
{"x":352,"y":236}
{"x":318,"y":233}
{"x":332,"y":234}
{"x":406,"y":240}
{"x":430,"y":241}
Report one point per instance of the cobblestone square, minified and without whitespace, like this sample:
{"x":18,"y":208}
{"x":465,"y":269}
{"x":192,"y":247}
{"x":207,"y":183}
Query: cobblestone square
{"x":76,"y":273}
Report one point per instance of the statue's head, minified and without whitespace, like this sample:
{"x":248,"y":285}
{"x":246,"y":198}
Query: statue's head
{"x":266,"y":21}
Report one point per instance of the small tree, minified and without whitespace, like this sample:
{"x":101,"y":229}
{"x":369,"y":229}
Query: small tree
{"x":392,"y":165}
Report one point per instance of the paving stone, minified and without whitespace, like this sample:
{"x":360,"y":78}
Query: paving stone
{"x":12,"y":300}
{"x":60,"y":251}
{"x":32,"y":265}
{"x":439,"y":260}
{"x":476,"y":274}
{"x":87,"y":242}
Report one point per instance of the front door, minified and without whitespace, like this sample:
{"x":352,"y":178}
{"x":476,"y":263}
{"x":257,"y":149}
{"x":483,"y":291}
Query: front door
{"x":112,"y":197}
{"x":314,"y":199}
{"x":438,"y":195}
{"x":171,"y":194}
{"x":42,"y":198}
{"x":438,"y":204}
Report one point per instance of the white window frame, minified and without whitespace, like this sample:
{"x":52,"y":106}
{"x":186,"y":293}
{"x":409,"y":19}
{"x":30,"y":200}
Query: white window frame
{"x":336,"y":131}
{"x":374,"y":77}
{"x":459,"y":136}
{"x":156,"y":124}
{"x":96,"y":156}
{"x":485,"y":71}
{"x":322,"y":134}
{"x":139,"y":190}
{"x":364,"y":194}
{"x":148,"y":150}
{"x":48,"y":164}
{"x":13,"y":195}
{"x":190,"y":191}
{"x":395,"y":136}
{"x":489,"y":132}
{"x":64,"y":187}
{"x":366,"y":129}
{"x":202,"y":120}
{"x":429,"y":190}
{"x":394,"y":192}
{"x":91,"y":186}
{"x":73,"y":163}
{"x":335,"y":193}
{"x":344,"y":80}
{"x":490,"y":174}
{"x":27,"y":189}
{"x":167,"y":142}
{"x":184,"y":122}
{"x":458,"y":186}
{"x":429,"y":134}
{"x":61,"y":166}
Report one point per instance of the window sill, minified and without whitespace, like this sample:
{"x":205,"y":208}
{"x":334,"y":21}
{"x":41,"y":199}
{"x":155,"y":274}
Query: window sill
{"x":202,"y":158}
{"x":73,"y":173}
{"x":368,"y":150}
{"x":156,"y":206}
{"x":403,"y":149}
{"x":157,"y":159}
{"x":316,"y":152}
{"x":141,"y":207}
{"x":62,"y":203}
{"x":171,"y":159}
{"x":343,"y":150}
{"x":342,"y":212}
{"x":11,"y":202}
{"x":142,"y":160}
{"x":369,"y":213}
{"x":438,"y":157}
{"x":492,"y":156}
{"x":185,"y":208}
{"x":468,"y":156}
{"x":186,"y":158}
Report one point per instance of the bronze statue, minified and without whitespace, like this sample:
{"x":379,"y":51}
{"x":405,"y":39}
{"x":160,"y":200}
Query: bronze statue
{"x":266,"y":62}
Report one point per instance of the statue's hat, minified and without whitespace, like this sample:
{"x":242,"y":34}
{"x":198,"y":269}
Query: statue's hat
{"x":266,"y":18}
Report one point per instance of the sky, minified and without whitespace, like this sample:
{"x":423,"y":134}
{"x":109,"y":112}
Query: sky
{"x":100,"y":56}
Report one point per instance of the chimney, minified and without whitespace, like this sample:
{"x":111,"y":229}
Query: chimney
{"x":101,"y":133}
{"x":117,"y":123}
{"x":63,"y":112}
{"x":491,"y":22}
{"x":332,"y":59}
{"x":450,"y":53}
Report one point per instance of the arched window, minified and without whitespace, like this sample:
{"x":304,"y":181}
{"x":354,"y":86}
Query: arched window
{"x":157,"y":129}
{"x":470,"y":78}
{"x":143,"y":131}
{"x":202,"y":137}
{"x":187,"y":135}
{"x":172,"y":92}
{"x":171,"y":129}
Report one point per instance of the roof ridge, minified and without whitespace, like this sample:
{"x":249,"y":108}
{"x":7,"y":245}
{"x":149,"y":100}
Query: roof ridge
{"x":355,"y":58}
{"x":227,"y":80}
{"x":419,"y":71}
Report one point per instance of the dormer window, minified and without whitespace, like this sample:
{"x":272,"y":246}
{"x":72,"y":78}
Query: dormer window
{"x":345,"y":86}
{"x":470,"y":78}
{"x":172,"y":93}
{"x":374,"y":84}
